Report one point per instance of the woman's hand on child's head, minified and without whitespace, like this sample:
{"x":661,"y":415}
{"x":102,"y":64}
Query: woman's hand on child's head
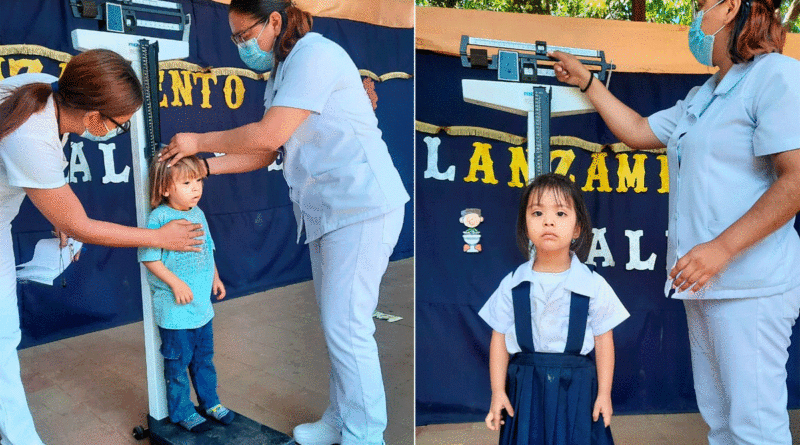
{"x":181,"y":146}
{"x":218,"y":288}
{"x":182,"y":292}
{"x":181,"y":235}
{"x":603,"y":406}
{"x":495,"y":417}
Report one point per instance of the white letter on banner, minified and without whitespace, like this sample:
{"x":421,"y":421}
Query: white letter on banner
{"x":600,"y":248}
{"x":108,"y":162}
{"x":78,"y":164}
{"x":433,"y":160}
{"x":635,"y":261}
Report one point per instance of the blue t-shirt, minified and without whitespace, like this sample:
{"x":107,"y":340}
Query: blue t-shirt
{"x":196,"y":269}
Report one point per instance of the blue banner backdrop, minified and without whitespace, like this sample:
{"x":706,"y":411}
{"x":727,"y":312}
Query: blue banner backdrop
{"x":250,"y":215}
{"x":626,"y":194}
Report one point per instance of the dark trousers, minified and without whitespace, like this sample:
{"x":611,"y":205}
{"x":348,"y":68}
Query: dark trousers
{"x":193,"y":349}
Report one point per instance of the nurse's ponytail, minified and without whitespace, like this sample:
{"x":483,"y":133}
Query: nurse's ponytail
{"x":298,"y":24}
{"x":96,"y":80}
{"x":757,"y":30}
{"x":295,"y":22}
{"x":19,"y":104}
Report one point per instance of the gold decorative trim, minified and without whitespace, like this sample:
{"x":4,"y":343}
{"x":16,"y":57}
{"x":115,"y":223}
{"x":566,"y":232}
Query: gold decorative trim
{"x":224,"y":71}
{"x":384,"y":77}
{"x":470,"y":131}
{"x":34,"y":50}
{"x":41,"y":51}
{"x":558,"y":141}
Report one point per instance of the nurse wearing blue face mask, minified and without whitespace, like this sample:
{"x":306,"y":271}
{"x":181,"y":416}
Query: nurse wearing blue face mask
{"x":95,"y":97}
{"x":733,"y":255}
{"x":348,"y":197}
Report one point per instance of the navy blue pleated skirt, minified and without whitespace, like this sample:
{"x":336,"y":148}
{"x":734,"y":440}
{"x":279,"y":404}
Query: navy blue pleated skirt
{"x":553,"y":396}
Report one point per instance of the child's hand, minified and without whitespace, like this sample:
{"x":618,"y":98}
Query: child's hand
{"x":603,"y":406}
{"x":495,"y":417}
{"x":182,"y":292}
{"x":218,"y":288}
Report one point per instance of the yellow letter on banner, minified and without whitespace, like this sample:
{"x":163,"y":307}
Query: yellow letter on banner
{"x":205,"y":77}
{"x":519,"y":166}
{"x":567,"y":157}
{"x":2,"y":59}
{"x":33,"y":66}
{"x":598,"y":171}
{"x":237,"y":88}
{"x":481,"y":160}
{"x":164,"y":102}
{"x":664,"y":174}
{"x":181,"y":87}
{"x":628,"y":178}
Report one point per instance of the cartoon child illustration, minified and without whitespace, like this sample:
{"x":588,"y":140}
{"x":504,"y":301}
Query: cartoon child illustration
{"x":472,"y":236}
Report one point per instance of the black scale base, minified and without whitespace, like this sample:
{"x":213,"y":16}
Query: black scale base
{"x":243,"y":431}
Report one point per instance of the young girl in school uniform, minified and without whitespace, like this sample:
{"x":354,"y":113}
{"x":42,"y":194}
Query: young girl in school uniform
{"x":547,"y":316}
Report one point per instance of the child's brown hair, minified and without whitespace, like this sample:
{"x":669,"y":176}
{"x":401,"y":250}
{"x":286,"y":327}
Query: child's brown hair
{"x":162,"y":177}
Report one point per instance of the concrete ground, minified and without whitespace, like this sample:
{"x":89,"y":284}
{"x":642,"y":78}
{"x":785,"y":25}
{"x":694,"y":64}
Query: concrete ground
{"x":270,"y":357}
{"x":653,"y":429}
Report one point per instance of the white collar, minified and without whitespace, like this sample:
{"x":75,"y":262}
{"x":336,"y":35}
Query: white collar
{"x":579,"y":279}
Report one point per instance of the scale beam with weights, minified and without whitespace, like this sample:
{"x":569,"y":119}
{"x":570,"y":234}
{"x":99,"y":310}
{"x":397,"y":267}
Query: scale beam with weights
{"x":519,"y":66}
{"x":122,"y":28}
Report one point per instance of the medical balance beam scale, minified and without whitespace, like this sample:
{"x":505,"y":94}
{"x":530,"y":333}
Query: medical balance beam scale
{"x":519,"y":65}
{"x":121,"y":25}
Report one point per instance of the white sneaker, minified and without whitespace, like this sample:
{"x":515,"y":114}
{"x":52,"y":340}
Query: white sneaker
{"x":317,"y":433}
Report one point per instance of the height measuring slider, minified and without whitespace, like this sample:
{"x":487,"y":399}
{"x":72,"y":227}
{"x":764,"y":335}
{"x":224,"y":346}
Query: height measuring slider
{"x":519,"y":65}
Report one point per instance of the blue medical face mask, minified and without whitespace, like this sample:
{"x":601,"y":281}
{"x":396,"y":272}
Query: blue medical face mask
{"x":253,"y":56}
{"x":701,"y":44}
{"x":105,"y":137}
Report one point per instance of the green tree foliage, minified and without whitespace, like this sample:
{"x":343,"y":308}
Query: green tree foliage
{"x":657,"y":11}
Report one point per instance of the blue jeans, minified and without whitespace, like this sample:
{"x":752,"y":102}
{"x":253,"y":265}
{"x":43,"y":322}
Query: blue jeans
{"x":192,"y":348}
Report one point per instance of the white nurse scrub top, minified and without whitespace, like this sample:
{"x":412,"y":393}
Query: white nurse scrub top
{"x":32,"y":156}
{"x":336,"y":164}
{"x":718,"y":144}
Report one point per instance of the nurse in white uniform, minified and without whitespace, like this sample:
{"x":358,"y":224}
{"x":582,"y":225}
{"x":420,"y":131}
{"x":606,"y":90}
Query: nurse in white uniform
{"x":347,"y":195}
{"x":733,"y":254}
{"x":95,"y":97}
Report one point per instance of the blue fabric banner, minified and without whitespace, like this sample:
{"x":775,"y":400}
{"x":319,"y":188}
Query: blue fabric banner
{"x":250,"y":215}
{"x":626,"y":195}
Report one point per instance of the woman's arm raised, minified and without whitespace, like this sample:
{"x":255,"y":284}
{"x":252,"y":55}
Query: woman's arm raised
{"x":626,"y":124}
{"x":263,"y":137}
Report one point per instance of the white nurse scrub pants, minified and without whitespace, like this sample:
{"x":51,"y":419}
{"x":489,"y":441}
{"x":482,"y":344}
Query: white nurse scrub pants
{"x":16,"y":423}
{"x":348,"y":265}
{"x":739,"y":353}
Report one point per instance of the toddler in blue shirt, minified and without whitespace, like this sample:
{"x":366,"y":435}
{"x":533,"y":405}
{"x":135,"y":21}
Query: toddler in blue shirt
{"x":182,"y":284}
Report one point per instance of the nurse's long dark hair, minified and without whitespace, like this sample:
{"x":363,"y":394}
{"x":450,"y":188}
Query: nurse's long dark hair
{"x":757,"y":30}
{"x":564,"y":190}
{"x":296,"y":22}
{"x":96,"y":80}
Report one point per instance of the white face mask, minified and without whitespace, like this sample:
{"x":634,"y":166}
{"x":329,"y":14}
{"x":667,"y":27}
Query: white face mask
{"x":111,"y":133}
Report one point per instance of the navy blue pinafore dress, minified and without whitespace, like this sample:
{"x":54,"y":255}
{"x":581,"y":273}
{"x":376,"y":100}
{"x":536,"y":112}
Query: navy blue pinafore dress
{"x":553,"y":394}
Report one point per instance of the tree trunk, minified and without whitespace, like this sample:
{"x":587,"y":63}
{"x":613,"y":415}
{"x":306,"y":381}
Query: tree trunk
{"x":639,"y":12}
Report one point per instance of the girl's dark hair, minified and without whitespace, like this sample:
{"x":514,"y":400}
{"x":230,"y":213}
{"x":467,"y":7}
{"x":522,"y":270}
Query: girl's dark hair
{"x":96,"y":80}
{"x":565,"y":190}
{"x":162,"y":177}
{"x":296,"y":22}
{"x":757,"y":30}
